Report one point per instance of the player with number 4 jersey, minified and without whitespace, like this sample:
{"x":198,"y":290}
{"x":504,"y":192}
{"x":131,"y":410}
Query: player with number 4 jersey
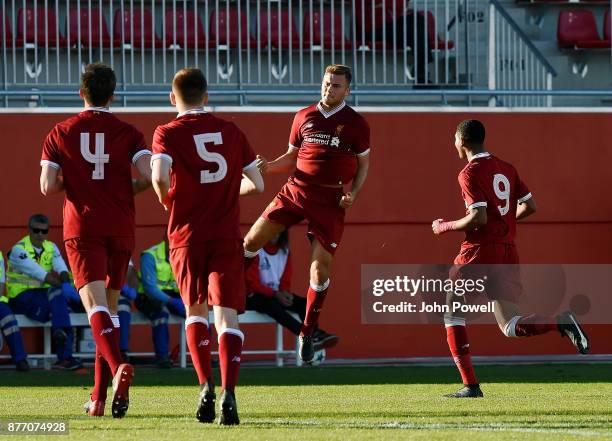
{"x":90,"y":157}
{"x":201,"y":165}
{"x":495,"y":198}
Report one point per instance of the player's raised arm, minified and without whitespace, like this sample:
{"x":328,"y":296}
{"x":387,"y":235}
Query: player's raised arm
{"x":283,"y":164}
{"x":525,"y":207}
{"x":143,"y":165}
{"x":50,"y":180}
{"x":252,"y":182}
{"x":160,"y":177}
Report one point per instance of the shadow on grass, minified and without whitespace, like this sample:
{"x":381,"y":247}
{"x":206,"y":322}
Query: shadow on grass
{"x":290,"y":376}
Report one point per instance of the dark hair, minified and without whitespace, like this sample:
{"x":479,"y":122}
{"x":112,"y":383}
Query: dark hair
{"x":190,"y":85}
{"x":340,"y":69}
{"x":283,"y":240}
{"x":98,"y":83}
{"x":38,"y":219}
{"x":471,"y":131}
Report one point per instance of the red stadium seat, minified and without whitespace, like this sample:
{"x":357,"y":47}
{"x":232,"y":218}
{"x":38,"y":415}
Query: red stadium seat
{"x":184,"y":19}
{"x":368,"y":20}
{"x":434,"y":41}
{"x":80,"y":19}
{"x":141,"y":22}
{"x":314,"y":20}
{"x":231,"y":39}
{"x":5,"y":32}
{"x":577,"y":29}
{"x":607,"y":26}
{"x":31,"y":25}
{"x":269,"y":29}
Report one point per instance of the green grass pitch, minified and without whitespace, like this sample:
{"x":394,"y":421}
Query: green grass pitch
{"x":552,"y":402}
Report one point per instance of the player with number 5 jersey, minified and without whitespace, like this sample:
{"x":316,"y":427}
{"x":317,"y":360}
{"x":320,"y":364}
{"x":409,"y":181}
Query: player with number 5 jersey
{"x":495,"y":199}
{"x":90,"y":156}
{"x":201,"y":165}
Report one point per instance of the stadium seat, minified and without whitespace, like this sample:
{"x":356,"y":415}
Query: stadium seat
{"x":80,"y":19}
{"x":6,"y":35}
{"x":606,"y":30}
{"x":269,"y":21}
{"x":31,"y":25}
{"x":577,"y":29}
{"x":141,"y":21}
{"x":434,"y":41}
{"x":184,"y":19}
{"x":313,"y":20}
{"x":222,"y":37}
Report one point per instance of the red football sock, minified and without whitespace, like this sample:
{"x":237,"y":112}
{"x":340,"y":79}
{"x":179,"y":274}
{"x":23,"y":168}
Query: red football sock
{"x":104,"y":335}
{"x":457,"y":339}
{"x":230,"y":348}
{"x":314,"y":305}
{"x":534,"y":324}
{"x":198,"y":342}
{"x":102,"y":376}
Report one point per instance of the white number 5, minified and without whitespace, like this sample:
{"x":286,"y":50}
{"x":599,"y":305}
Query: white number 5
{"x":501,"y":186}
{"x":98,"y":157}
{"x":206,"y":176}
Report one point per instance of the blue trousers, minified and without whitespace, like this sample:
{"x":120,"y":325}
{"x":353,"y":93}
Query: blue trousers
{"x":159,"y":314}
{"x":10,"y":329}
{"x":42,"y":304}
{"x":125,"y":318}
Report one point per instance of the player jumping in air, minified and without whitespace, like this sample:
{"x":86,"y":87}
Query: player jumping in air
{"x":89,"y":156}
{"x":495,"y":198}
{"x":201,"y":165}
{"x":329,"y":146}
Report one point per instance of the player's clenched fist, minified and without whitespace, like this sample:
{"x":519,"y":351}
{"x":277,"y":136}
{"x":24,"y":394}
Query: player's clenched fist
{"x":262,"y":164}
{"x":440,"y":226}
{"x":347,"y":200}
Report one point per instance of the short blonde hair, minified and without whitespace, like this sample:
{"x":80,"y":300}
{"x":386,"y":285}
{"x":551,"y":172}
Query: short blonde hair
{"x":340,"y":69}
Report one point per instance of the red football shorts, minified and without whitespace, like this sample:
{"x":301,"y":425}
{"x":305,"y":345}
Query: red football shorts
{"x":99,"y":258}
{"x":497,"y":263}
{"x":319,"y":205}
{"x":211,"y":272}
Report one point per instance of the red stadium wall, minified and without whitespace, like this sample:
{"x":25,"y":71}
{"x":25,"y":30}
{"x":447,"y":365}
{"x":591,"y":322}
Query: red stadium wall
{"x":563,"y":157}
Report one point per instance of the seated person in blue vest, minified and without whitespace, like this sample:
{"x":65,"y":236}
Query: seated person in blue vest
{"x":159,"y":297}
{"x":268,"y":284}
{"x":38,"y":285}
{"x":9,"y":328}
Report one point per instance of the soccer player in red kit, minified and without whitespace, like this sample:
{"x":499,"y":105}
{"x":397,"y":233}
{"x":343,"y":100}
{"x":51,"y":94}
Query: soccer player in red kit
{"x":329,"y":147}
{"x":201,"y":165}
{"x":89,"y":156}
{"x":495,"y":198}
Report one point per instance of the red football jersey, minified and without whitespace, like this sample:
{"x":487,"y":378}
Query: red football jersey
{"x":95,"y":151}
{"x":207,"y":156}
{"x":487,"y":181}
{"x":328,"y":143}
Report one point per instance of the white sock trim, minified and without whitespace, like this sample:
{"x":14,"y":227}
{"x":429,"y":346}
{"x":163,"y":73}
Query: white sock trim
{"x":453,"y":321}
{"x":510,"y":328}
{"x":232,"y":331}
{"x":250,"y":254}
{"x":319,"y":288}
{"x":97,"y":309}
{"x":195,"y":319}
{"x":115,"y":320}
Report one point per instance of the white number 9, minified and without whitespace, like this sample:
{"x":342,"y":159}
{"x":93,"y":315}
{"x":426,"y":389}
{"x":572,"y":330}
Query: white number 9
{"x":206,"y":176}
{"x":501,"y":186}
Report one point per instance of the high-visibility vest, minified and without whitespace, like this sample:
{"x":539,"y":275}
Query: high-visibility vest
{"x":18,"y":282}
{"x":165,"y":277}
{"x":2,"y":296}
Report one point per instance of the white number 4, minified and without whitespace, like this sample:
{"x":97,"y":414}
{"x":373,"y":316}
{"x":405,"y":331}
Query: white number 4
{"x":501,"y":186}
{"x":98,"y":157}
{"x":206,"y":176}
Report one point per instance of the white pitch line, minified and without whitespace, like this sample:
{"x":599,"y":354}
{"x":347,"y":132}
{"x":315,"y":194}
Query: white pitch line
{"x":494,"y":427}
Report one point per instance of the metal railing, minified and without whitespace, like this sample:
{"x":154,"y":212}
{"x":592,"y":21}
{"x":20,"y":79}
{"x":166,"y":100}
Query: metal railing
{"x":248,"y":48}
